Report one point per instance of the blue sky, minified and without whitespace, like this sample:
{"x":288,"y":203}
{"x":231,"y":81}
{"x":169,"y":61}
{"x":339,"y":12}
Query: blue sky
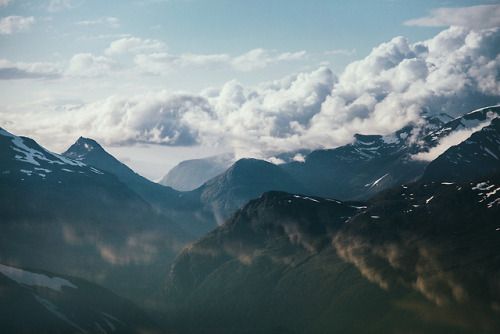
{"x":159,"y":81}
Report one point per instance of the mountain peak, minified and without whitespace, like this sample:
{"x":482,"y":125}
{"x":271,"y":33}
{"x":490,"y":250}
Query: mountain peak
{"x":82,"y":147}
{"x":88,"y":144}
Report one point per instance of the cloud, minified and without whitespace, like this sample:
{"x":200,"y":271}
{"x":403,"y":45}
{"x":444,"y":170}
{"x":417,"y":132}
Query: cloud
{"x":10,"y":71}
{"x":111,"y":21}
{"x":134,"y":45}
{"x":80,"y":65}
{"x":260,"y":58}
{"x":454,"y":72}
{"x":60,"y":5}
{"x":162,"y":63}
{"x":88,"y":65}
{"x":13,"y":24}
{"x":156,"y":117}
{"x":4,"y":3}
{"x":341,"y":52}
{"x":476,"y":17}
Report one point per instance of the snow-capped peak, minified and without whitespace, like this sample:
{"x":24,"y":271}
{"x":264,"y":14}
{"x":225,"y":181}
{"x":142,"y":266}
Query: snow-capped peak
{"x":29,"y":151}
{"x":24,"y":155}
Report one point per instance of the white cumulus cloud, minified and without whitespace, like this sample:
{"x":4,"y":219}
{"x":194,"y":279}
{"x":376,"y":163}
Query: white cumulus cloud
{"x":88,"y":65}
{"x":454,"y":72}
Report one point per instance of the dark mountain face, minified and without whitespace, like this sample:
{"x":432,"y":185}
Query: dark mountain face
{"x":439,"y":238}
{"x":64,"y":216}
{"x":191,"y":174}
{"x":478,"y":155}
{"x":361,"y":169}
{"x":244,"y":180}
{"x":33,"y":301}
{"x":257,"y":272}
{"x":416,"y":258}
{"x":181,"y":207}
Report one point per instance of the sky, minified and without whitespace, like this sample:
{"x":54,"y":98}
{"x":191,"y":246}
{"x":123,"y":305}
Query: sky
{"x":160,"y":81}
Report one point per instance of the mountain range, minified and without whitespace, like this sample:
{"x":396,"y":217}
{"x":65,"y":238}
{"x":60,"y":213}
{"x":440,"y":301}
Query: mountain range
{"x":419,"y":258}
{"x":361,"y":169}
{"x":386,"y":234}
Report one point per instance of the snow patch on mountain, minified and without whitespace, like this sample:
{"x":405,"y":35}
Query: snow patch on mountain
{"x":33,"y":156}
{"x":374,"y":183}
{"x":488,"y":193}
{"x":490,"y":153}
{"x":306,"y":198}
{"x":92,"y":169}
{"x":52,"y":308}
{"x":390,"y":139}
{"x":25,"y":277}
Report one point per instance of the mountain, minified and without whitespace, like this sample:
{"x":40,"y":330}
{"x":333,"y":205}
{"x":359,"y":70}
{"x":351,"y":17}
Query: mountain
{"x":469,"y":121}
{"x":478,"y":155}
{"x":255,"y":273}
{"x":420,"y":258}
{"x":244,"y":180}
{"x":373,"y":162}
{"x":354,"y":171}
{"x":64,"y":216}
{"x":191,"y":174}
{"x":187,"y":211}
{"x":196,"y":211}
{"x":34,"y":301}
{"x":360,"y":169}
